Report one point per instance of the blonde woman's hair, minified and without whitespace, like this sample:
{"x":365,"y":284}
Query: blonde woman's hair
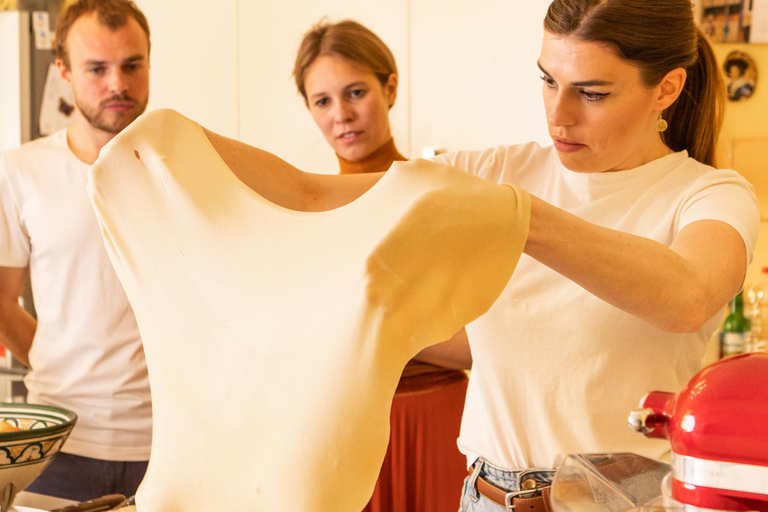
{"x":347,"y":39}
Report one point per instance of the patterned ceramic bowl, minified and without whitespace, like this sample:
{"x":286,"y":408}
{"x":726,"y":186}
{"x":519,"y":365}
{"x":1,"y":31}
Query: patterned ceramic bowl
{"x":25,"y":453}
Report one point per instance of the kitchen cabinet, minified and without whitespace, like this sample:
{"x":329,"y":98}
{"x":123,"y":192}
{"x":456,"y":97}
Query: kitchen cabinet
{"x":194,"y":60}
{"x":475,"y":82}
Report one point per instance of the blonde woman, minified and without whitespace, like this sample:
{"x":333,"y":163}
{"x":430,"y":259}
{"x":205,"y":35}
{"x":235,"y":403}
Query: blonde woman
{"x":348,"y":79}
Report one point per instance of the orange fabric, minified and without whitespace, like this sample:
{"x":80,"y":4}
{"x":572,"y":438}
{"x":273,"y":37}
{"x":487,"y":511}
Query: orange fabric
{"x":378,"y":161}
{"x":421,"y":377}
{"x":423,"y":470}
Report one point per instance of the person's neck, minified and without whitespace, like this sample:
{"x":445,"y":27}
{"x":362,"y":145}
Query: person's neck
{"x":86,"y":141}
{"x":378,"y":161}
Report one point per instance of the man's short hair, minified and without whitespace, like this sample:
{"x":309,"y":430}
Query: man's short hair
{"x":113,"y":14}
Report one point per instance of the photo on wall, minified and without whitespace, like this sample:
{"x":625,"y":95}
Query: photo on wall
{"x":741,"y":75}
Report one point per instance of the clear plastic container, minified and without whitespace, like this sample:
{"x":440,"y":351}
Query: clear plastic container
{"x":756,"y":310}
{"x":612,"y":482}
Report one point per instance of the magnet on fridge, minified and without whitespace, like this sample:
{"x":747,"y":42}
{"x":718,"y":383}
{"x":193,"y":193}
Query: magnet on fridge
{"x":41,"y":26}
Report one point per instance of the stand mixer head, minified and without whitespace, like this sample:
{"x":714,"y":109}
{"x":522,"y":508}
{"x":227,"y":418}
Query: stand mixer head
{"x":718,"y":427}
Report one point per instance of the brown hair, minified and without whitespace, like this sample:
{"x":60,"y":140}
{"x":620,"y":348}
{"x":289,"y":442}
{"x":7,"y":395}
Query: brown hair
{"x":347,"y":39}
{"x":113,"y":14}
{"x":657,"y":36}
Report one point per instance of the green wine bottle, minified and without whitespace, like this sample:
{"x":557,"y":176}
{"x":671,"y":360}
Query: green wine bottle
{"x":734,"y":334}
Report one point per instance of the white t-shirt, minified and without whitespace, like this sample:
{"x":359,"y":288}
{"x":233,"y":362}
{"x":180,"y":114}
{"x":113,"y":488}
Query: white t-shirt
{"x":275,"y":338}
{"x":557,"y":370}
{"x":87,"y":354}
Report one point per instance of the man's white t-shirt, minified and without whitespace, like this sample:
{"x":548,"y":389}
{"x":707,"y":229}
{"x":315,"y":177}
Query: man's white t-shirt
{"x":87,"y":354}
{"x":557,"y":370}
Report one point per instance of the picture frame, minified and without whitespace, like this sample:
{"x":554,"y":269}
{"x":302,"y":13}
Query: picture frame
{"x":735,"y":21}
{"x":740,"y":75}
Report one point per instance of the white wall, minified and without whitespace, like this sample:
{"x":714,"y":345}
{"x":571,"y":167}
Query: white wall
{"x":468,"y":76}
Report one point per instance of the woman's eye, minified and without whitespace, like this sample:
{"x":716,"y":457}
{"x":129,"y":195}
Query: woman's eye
{"x":548,"y":81}
{"x":321,"y":102}
{"x":96,"y":70}
{"x":594,"y":96}
{"x":357,"y":93}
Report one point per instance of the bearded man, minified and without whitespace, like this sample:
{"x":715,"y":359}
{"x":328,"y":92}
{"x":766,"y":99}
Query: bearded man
{"x":83,"y":351}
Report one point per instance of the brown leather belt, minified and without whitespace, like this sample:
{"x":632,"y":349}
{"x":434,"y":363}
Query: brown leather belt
{"x":539,"y":502}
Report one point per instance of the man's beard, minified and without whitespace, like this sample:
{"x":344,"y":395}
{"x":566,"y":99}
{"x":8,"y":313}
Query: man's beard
{"x":96,"y":118}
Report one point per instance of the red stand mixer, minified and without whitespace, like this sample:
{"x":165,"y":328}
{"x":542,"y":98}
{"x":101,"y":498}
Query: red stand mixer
{"x":718,"y":428}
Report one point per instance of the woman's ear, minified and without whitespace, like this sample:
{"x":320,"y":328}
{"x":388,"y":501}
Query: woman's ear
{"x":670,"y":88}
{"x":390,"y":89}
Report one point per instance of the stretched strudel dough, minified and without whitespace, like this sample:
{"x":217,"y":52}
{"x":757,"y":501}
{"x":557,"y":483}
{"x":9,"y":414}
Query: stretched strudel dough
{"x":274,"y":337}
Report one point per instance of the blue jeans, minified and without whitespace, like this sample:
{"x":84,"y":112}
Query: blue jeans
{"x":79,"y":478}
{"x":473,"y":501}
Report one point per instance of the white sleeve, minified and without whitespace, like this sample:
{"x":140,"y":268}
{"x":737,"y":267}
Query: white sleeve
{"x":464,"y":160}
{"x":499,"y":164}
{"x":14,"y":242}
{"x":473,"y":162}
{"x":726,"y":196}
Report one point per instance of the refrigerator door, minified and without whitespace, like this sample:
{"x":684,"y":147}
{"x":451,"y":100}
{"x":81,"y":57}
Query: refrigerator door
{"x":15,"y":89}
{"x":24,"y":67}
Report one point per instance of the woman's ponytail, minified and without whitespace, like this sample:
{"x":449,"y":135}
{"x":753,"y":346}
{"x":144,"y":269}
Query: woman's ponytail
{"x":696,"y":117}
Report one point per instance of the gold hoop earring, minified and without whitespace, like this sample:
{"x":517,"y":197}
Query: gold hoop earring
{"x":661,"y":124}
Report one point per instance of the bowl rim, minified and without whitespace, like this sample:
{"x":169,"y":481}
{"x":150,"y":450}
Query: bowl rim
{"x":21,"y":435}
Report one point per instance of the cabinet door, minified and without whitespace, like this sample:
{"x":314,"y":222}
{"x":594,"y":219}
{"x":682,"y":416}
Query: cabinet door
{"x":475,"y":82}
{"x":194,"y":60}
{"x":272,"y":113}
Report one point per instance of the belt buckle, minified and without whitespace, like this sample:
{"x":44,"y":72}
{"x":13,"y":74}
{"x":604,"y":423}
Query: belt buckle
{"x":510,"y":496}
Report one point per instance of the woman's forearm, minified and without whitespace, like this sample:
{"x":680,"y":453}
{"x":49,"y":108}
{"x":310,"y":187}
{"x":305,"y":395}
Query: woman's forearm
{"x":675,"y":288}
